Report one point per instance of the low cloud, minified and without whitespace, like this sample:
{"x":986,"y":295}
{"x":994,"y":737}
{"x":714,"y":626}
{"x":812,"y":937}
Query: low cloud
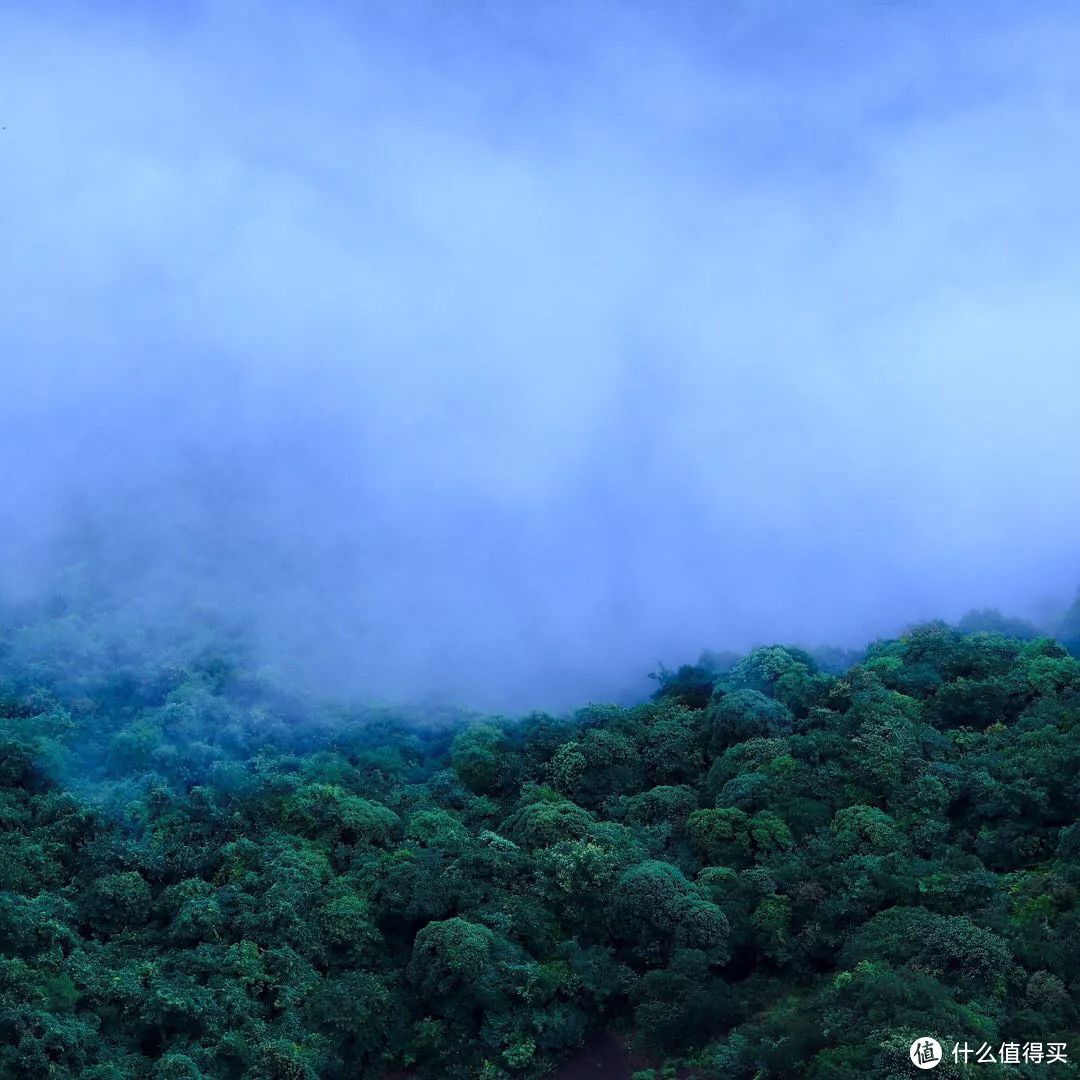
{"x":491,"y":356}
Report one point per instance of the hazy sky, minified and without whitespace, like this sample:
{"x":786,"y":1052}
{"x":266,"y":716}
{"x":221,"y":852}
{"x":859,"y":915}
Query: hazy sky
{"x":494,"y":351}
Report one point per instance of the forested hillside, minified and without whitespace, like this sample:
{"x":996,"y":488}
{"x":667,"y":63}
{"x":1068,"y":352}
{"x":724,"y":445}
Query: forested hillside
{"x":772,"y":868}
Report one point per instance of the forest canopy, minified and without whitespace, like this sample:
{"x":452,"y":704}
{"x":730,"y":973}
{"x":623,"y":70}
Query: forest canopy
{"x":782,"y":864}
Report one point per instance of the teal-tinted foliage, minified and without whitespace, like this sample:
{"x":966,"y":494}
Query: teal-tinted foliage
{"x":775,"y":867}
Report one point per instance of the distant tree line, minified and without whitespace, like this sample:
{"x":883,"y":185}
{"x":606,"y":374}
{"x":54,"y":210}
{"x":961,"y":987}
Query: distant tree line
{"x":780,"y":865}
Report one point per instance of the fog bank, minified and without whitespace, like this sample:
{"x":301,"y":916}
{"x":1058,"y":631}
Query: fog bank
{"x":493,"y":355}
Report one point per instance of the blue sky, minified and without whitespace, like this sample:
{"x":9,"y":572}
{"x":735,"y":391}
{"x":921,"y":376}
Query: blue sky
{"x":492,"y":352}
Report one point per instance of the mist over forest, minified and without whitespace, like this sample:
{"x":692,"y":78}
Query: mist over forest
{"x":491,"y":356}
{"x":539,"y":540}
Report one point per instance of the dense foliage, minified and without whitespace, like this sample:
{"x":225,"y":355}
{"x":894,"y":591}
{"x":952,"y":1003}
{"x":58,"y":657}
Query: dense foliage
{"x":772,"y":868}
